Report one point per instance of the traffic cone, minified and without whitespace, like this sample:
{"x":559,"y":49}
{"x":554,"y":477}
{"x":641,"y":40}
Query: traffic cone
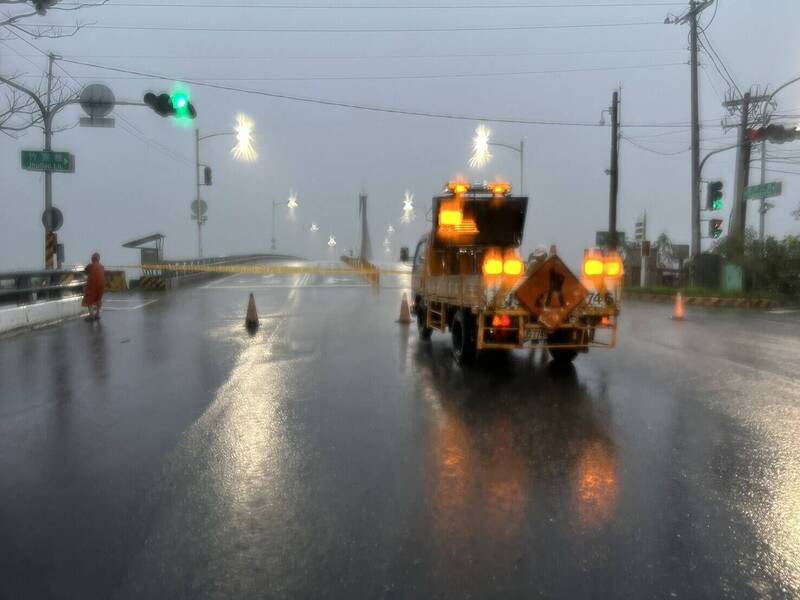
{"x":678,"y":313}
{"x":251,"y":320}
{"x":405,"y":315}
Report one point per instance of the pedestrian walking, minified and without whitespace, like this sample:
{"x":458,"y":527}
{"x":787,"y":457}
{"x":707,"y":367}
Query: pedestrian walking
{"x":95,"y":285}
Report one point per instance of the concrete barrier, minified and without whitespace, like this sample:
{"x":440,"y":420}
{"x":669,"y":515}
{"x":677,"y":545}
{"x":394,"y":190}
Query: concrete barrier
{"x":39,"y":313}
{"x":116,"y":281}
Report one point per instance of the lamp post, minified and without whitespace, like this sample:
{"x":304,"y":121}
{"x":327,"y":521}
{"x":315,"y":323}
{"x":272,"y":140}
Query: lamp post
{"x":291,"y":203}
{"x":243,"y":150}
{"x":481,"y":156}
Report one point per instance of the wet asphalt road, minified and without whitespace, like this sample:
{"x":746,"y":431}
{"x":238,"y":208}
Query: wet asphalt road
{"x":165,"y":453}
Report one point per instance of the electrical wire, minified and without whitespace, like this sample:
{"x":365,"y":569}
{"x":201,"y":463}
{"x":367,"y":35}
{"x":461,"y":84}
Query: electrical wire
{"x":408,"y":77}
{"x":364,"y":107}
{"x":192,"y":29}
{"x":389,"y":6}
{"x":710,"y":47}
{"x":659,"y":152}
{"x":326,"y":57}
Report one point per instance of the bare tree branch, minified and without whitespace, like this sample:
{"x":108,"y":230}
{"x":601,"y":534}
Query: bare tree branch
{"x":14,"y":18}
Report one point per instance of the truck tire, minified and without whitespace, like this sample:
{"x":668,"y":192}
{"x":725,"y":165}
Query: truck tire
{"x":422,"y":318}
{"x":561,"y":355}
{"x":463,"y":332}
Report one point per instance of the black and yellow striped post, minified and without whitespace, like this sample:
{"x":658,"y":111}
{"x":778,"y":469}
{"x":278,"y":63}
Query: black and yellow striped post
{"x":50,"y":243}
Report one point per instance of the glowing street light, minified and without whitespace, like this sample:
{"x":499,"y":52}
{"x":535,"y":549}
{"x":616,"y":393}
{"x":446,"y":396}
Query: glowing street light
{"x":480,"y":147}
{"x":331,"y":241}
{"x":408,"y":208}
{"x":390,"y":230}
{"x":244,"y":148}
{"x":292,"y":202}
{"x":481,"y":155}
{"x":314,"y":228}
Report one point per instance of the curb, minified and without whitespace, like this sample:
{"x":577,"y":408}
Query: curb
{"x":760,"y":303}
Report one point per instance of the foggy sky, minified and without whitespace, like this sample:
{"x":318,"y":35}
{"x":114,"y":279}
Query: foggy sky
{"x":126,"y":187}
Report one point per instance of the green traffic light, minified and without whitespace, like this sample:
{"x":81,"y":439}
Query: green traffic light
{"x":180,"y":104}
{"x":716,"y":204}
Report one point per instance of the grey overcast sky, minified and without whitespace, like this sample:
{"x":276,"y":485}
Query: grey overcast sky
{"x":505,"y":61}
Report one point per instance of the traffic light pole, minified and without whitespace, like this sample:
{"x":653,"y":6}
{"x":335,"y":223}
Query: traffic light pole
{"x":197,"y":196}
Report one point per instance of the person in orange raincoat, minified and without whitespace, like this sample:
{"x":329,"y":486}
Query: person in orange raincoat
{"x":95,"y":285}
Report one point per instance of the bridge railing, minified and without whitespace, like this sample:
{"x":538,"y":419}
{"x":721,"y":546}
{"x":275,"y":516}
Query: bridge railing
{"x":26,"y":287}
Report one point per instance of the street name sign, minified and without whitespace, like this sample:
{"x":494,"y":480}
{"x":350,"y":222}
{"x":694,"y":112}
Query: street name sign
{"x":602,"y":238}
{"x":763,"y":190}
{"x":45,"y":160}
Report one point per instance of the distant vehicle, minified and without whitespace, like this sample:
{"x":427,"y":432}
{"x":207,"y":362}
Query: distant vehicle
{"x":467,"y":276}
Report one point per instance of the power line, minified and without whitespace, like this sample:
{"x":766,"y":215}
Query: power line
{"x":411,"y":76}
{"x":365,"y":107}
{"x":721,"y":62}
{"x":389,"y":6}
{"x":191,"y":29}
{"x":196,"y":57}
{"x":659,"y":152}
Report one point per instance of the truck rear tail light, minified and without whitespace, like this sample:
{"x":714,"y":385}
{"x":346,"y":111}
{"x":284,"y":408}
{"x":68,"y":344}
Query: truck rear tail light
{"x":512,"y":266}
{"x":501,"y":321}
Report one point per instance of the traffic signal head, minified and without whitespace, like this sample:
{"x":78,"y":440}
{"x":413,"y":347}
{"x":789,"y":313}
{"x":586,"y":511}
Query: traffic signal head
{"x":714,"y":196}
{"x":207,"y":176}
{"x":777,"y":134}
{"x":715,"y":228}
{"x":171,"y":105}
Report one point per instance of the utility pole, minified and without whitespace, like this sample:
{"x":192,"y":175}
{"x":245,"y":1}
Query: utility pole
{"x":695,"y":8}
{"x":613,"y":186}
{"x":693,"y":12}
{"x":739,"y":212}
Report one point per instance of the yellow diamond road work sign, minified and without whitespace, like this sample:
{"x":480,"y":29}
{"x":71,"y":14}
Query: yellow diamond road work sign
{"x":551,"y":292}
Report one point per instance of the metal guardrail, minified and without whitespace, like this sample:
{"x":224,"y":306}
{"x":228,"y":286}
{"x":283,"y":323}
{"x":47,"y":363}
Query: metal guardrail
{"x":26,"y":287}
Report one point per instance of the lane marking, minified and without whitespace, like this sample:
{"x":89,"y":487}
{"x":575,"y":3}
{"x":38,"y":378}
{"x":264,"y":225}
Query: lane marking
{"x":137,"y":307}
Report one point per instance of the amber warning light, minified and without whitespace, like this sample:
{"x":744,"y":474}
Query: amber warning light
{"x":597,"y":265}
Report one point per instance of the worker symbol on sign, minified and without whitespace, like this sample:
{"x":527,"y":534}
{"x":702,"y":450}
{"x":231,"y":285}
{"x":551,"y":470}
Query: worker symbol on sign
{"x":554,"y":290}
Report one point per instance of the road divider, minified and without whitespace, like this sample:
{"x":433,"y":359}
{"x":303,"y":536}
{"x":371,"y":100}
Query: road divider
{"x":116,"y":281}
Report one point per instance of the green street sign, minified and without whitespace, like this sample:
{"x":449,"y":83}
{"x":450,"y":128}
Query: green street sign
{"x":601,"y":239}
{"x":45,"y":160}
{"x":763,"y":190}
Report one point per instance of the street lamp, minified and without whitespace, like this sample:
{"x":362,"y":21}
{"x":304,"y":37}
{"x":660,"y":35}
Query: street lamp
{"x":481,"y":155}
{"x":291,"y":204}
{"x":243,"y":150}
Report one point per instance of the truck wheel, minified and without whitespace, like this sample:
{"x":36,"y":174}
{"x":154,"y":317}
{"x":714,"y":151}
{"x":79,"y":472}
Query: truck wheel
{"x":422,"y":317}
{"x":464,"y":338}
{"x":562,"y":355}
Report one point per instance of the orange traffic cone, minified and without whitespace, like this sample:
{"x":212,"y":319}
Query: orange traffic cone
{"x":405,"y":315}
{"x":251,"y":320}
{"x":678,"y":313}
